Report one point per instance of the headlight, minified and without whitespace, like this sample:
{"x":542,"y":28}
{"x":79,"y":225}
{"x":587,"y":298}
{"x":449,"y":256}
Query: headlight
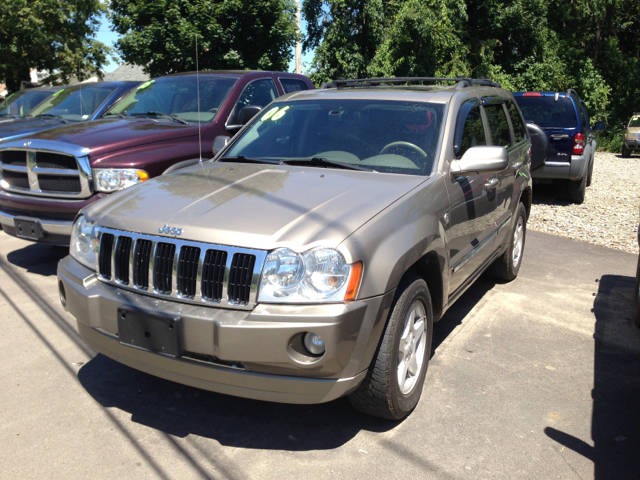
{"x":115,"y":179}
{"x":83,"y":247}
{"x":321,"y":274}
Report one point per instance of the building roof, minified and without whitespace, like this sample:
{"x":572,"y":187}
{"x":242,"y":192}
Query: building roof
{"x":126,"y":72}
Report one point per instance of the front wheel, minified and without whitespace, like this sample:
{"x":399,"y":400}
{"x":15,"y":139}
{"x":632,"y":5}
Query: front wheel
{"x":626,"y":153}
{"x":393,"y":384}
{"x":507,"y":266}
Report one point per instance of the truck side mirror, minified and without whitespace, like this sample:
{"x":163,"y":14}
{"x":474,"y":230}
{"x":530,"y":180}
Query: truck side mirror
{"x":219,"y":143}
{"x":241,"y":118}
{"x":479,"y":160}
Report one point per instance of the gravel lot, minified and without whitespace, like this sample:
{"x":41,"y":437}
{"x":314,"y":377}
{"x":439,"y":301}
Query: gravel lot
{"x":609,"y":215}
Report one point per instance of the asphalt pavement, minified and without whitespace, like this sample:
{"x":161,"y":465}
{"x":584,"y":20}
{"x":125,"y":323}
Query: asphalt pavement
{"x":537,"y":378}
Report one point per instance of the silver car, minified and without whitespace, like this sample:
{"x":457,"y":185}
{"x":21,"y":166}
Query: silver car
{"x":309,"y":259}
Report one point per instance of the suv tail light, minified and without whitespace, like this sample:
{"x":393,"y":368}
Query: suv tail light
{"x":578,"y":144}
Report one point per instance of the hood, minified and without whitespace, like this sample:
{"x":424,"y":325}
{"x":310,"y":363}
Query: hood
{"x":20,"y":127}
{"x":255,"y":206}
{"x":112,"y":134}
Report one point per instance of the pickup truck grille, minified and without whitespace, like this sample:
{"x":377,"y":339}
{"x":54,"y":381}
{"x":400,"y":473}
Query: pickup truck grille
{"x":191,"y":272}
{"x":45,"y":173}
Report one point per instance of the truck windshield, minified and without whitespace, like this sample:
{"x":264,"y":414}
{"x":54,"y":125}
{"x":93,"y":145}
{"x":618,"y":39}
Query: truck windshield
{"x":546,"y":112}
{"x":635,"y":122}
{"x":20,"y":103}
{"x":385,"y":136}
{"x":178,"y":97}
{"x":75,"y":103}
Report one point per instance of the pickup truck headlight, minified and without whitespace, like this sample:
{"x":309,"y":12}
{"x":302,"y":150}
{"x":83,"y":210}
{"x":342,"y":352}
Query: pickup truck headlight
{"x":114,"y":179}
{"x":319,"y":275}
{"x":83,"y":247}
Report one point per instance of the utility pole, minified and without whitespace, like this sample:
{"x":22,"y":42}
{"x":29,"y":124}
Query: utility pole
{"x":298,"y":44}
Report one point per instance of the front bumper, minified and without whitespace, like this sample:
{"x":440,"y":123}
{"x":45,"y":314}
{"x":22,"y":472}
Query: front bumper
{"x":632,"y":143}
{"x":262,"y":342}
{"x":567,"y":170}
{"x":54,"y":215}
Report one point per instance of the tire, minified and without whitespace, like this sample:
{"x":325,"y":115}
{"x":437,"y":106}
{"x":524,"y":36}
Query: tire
{"x":381,"y":394}
{"x":626,"y":153}
{"x":636,"y":299}
{"x":539,"y":146}
{"x":590,"y":174}
{"x":576,"y":190}
{"x":507,"y":266}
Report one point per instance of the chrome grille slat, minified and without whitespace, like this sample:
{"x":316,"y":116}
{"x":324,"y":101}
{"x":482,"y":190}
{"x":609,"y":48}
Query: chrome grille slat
{"x":177,"y":269}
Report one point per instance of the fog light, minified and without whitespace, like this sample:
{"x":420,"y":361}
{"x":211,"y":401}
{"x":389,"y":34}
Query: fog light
{"x":314,"y":343}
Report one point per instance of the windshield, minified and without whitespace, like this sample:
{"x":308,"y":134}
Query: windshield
{"x":75,"y":103}
{"x":177,"y":96}
{"x":546,"y":112}
{"x":635,"y":122}
{"x":386,"y":136}
{"x":20,"y":103}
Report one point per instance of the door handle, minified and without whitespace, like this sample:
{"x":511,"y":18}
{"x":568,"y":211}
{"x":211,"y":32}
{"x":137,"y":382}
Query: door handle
{"x":491,"y":184}
{"x":516,"y":166}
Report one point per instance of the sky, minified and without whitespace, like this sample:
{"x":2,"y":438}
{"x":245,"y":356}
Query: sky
{"x":105,"y":35}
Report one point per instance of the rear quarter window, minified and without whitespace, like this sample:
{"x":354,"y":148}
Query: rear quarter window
{"x":292,"y":85}
{"x":546,"y":112}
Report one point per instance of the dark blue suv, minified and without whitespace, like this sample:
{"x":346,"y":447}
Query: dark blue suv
{"x":564,"y":119}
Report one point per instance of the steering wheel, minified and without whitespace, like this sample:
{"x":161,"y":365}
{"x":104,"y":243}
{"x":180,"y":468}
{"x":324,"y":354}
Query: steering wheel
{"x":351,"y":139}
{"x":393,"y":148}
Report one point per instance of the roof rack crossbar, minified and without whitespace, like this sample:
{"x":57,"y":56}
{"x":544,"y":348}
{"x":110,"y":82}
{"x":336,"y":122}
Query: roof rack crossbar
{"x":372,"y":82}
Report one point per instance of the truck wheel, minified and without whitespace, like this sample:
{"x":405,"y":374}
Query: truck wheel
{"x":393,"y":384}
{"x":577,"y":190}
{"x":507,"y":266}
{"x":626,"y":153}
{"x":590,"y":174}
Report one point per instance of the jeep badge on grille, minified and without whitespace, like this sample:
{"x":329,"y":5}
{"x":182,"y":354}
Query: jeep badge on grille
{"x":170,"y":230}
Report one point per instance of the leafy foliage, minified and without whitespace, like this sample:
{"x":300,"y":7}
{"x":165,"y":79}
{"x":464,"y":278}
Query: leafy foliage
{"x":232,"y":34}
{"x":590,"y":45}
{"x":50,"y":35}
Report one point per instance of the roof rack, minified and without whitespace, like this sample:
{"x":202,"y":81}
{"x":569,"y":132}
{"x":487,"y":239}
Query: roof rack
{"x":461,"y":82}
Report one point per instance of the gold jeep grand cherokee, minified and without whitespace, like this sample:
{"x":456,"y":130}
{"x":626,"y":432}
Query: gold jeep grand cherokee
{"x":309,"y":259}
{"x":631,"y":142}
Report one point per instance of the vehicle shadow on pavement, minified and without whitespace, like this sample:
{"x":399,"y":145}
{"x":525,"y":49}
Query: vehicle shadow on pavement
{"x":180,"y":410}
{"x":38,"y":258}
{"x":615,"y":426}
{"x":551,"y":194}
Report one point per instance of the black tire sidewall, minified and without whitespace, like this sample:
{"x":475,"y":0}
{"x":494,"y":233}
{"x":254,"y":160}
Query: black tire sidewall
{"x":514,"y":269}
{"x":417,"y":290}
{"x":636,"y":299}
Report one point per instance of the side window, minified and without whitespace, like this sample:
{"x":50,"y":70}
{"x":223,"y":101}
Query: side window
{"x":259,"y":92}
{"x":292,"y":85}
{"x":578,"y":106}
{"x":498,"y":125}
{"x":472,"y":132}
{"x":519,"y":130}
{"x":586,"y":115}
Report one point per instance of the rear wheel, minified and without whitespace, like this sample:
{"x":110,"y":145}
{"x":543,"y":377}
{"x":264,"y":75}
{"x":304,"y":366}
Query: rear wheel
{"x":590,"y":174}
{"x":576,"y":190}
{"x":507,"y":266}
{"x":626,"y":153}
{"x":636,"y":300}
{"x":393,"y":384}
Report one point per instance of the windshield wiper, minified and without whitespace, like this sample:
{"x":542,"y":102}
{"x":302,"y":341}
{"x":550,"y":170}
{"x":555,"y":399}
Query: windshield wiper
{"x":161,"y":114}
{"x":50,"y":115}
{"x":8,"y":115}
{"x":118,"y":114}
{"x":243,"y":159}
{"x":323,"y":162}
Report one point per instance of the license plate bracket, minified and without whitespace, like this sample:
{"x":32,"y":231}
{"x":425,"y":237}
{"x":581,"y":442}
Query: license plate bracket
{"x":161,"y":334}
{"x":29,"y":228}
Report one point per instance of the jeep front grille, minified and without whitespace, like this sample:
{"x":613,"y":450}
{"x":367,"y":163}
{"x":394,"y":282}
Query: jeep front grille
{"x":187,"y":271}
{"x":41,"y":172}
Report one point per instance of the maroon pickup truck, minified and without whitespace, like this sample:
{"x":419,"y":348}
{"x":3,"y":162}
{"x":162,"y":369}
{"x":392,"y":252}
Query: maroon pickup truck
{"x":46,"y":178}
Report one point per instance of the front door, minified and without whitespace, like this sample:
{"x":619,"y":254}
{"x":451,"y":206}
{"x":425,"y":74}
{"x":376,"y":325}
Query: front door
{"x":472,"y":203}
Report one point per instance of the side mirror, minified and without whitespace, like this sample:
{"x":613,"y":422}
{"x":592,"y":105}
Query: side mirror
{"x":478,"y":160}
{"x":219,"y":143}
{"x":243,"y":116}
{"x":599,"y":126}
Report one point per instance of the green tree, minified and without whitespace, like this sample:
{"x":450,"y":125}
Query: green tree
{"x":51,"y":35}
{"x":161,"y":35}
